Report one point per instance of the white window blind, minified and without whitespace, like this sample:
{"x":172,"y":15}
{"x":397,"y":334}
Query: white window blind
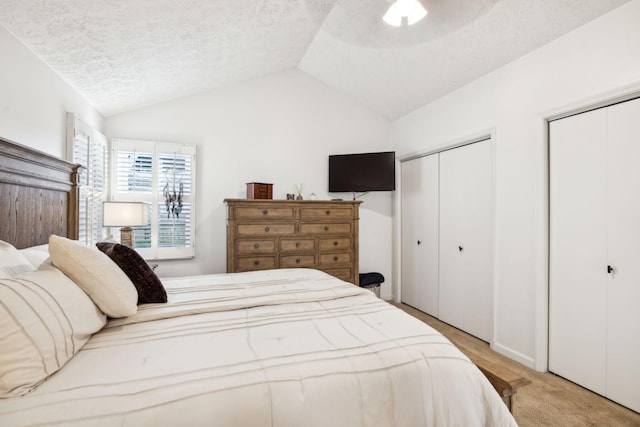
{"x":88,"y":147}
{"x":163,"y":175}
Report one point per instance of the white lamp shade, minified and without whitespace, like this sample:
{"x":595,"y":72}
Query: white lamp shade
{"x":411,"y":9}
{"x":125,"y":214}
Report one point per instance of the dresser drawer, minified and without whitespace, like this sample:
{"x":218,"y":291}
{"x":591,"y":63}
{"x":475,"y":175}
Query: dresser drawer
{"x":266,"y":229}
{"x":327,"y":212}
{"x":256,"y":263}
{"x":291,"y":261}
{"x":327,"y":228}
{"x":297,"y":245}
{"x":264,"y":212}
{"x":338,"y":243}
{"x":340,"y":273}
{"x":334,"y":259}
{"x":245,"y":247}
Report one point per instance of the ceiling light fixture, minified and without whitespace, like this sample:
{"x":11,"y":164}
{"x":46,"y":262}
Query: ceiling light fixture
{"x":410,"y":9}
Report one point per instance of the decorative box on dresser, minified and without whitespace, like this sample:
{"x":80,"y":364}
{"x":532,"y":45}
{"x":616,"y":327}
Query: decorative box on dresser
{"x":264,"y":234}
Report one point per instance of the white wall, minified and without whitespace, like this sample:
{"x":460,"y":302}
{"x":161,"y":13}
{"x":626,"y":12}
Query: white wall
{"x":34,"y":100}
{"x":596,"y":61}
{"x":278,"y":129}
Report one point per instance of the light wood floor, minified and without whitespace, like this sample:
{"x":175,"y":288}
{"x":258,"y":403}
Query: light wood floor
{"x":549,"y":400}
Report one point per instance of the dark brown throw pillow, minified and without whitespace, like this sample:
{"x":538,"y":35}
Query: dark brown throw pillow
{"x":149,"y":286}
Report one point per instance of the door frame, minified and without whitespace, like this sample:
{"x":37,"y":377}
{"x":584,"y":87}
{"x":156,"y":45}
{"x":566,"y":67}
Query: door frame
{"x":542,"y":282}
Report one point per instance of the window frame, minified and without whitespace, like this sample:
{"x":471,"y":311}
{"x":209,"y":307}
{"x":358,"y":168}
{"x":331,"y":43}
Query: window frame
{"x":155,"y":198}
{"x":94,"y":158}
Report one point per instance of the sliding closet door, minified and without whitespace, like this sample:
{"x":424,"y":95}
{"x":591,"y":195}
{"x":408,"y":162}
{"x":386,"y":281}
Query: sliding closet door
{"x":578,"y":248}
{"x":623,"y":287}
{"x":466,"y":238}
{"x":420,"y":233}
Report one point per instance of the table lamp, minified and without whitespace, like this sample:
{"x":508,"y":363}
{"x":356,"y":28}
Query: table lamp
{"x":125,"y":215}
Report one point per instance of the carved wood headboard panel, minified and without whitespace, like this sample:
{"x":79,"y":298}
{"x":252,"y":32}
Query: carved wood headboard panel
{"x":38,"y":196}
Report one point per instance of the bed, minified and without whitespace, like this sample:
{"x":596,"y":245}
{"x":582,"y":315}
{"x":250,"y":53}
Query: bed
{"x":285,"y":347}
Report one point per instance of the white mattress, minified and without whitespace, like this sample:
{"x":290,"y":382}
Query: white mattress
{"x":275,"y":348}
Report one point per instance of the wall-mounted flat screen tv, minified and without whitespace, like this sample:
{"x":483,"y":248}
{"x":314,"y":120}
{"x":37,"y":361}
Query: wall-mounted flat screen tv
{"x":362,"y":172}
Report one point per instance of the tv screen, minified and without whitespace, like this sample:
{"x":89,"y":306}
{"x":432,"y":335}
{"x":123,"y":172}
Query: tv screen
{"x":362,"y":172}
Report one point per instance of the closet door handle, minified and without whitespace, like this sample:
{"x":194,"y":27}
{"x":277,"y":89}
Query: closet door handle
{"x":419,"y":242}
{"x":460,"y":248}
{"x":610,"y":269}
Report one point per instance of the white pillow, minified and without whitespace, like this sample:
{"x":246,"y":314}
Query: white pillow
{"x":45,"y":318}
{"x":36,"y":255}
{"x":12,"y":262}
{"x":102,"y":279}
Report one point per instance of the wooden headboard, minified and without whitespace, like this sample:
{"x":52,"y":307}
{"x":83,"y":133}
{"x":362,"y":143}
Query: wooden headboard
{"x":38,"y":196}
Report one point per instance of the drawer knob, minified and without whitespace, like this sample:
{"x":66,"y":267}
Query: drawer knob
{"x":328,"y":212}
{"x":326,"y":228}
{"x":335,"y":258}
{"x":335,"y":243}
{"x":297,"y":260}
{"x":256,"y":246}
{"x":267,"y":229}
{"x":264,"y":212}
{"x":297,"y":244}
{"x":256,"y":262}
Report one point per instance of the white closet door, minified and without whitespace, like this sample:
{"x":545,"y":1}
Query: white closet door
{"x":420,"y":233}
{"x":623,"y":287}
{"x":578,"y":242}
{"x":466,"y":238}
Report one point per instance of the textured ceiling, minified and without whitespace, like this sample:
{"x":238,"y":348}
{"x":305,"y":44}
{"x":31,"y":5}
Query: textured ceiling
{"x":123,"y":54}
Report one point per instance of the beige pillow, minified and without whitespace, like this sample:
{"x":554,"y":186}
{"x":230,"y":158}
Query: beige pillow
{"x":45,"y":318}
{"x":96,"y":274}
{"x":12,"y":262}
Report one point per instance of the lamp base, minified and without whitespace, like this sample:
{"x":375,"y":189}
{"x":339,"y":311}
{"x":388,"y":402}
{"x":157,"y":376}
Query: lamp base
{"x":126,"y":236}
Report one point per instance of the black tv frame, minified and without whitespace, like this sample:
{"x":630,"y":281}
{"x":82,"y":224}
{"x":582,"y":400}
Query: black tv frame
{"x":362,"y":172}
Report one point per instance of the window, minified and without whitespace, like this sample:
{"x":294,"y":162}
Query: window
{"x":163,"y":175}
{"x":88,"y":148}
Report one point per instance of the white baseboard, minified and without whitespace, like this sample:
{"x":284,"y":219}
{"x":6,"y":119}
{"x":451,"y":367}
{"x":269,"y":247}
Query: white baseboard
{"x":512,"y":354}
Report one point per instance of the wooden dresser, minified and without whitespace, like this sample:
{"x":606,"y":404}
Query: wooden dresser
{"x":264,"y":234}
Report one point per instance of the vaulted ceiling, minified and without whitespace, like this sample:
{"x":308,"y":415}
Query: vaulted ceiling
{"x":124,"y":54}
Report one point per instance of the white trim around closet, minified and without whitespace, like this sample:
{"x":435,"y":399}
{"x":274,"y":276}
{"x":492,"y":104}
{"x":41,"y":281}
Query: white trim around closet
{"x":459,"y":142}
{"x":541,"y":292}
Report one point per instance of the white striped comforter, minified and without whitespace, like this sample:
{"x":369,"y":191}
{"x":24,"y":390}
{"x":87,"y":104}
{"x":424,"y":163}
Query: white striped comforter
{"x":275,"y":348}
